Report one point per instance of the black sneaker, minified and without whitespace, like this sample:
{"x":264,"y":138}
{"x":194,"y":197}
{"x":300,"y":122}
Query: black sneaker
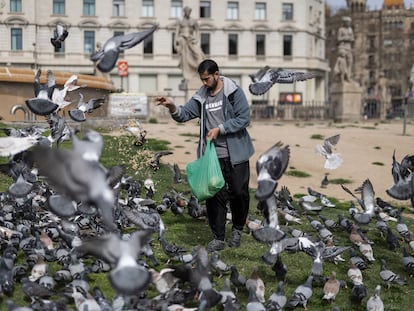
{"x":235,"y":238}
{"x":215,"y":245}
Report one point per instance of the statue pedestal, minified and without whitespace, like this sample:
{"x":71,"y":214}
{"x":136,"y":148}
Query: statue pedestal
{"x":346,"y":101}
{"x":190,"y":86}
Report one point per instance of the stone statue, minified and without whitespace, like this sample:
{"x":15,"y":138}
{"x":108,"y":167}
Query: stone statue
{"x":383,"y":95}
{"x":412,"y":77}
{"x":343,"y":66}
{"x":186,"y":44}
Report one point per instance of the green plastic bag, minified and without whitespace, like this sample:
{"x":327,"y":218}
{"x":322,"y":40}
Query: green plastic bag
{"x":204,"y":175}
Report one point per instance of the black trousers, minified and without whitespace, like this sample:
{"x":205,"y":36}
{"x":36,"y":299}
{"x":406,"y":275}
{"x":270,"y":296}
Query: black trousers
{"x":236,"y":193}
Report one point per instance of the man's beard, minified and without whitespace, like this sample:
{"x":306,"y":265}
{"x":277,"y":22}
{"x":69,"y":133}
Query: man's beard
{"x":213,"y":87}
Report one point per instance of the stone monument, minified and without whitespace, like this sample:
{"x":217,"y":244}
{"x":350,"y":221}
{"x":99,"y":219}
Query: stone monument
{"x":190,"y":54}
{"x":346,"y":93}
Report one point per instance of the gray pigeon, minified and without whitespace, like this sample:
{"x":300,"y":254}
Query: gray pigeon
{"x":127,"y":276}
{"x":266,"y":77}
{"x":78,"y":179}
{"x":301,"y":294}
{"x":78,"y":114}
{"x":389,"y":277}
{"x":374,"y":302}
{"x":402,"y":173}
{"x":42,"y":103}
{"x":107,"y":57}
{"x":277,"y":300}
{"x":270,"y":167}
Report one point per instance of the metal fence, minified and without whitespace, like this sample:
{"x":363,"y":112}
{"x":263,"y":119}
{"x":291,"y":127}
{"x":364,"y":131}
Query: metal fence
{"x":312,"y":110}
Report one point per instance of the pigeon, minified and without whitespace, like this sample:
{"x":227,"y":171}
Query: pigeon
{"x":163,"y":280}
{"x":42,"y":103}
{"x":218,"y":265}
{"x":60,"y":34}
{"x":155,"y":161}
{"x":226,"y":292}
{"x":254,"y":281}
{"x":392,"y":241}
{"x":325,"y":181}
{"x":237,"y":279}
{"x":77,"y":178}
{"x":359,"y":292}
{"x":70,"y":85}
{"x":280,"y":269}
{"x":389,"y":277}
{"x":127,"y":276}
{"x":301,"y":295}
{"x":367,"y":203}
{"x":34,"y":289}
{"x":331,"y":288}
{"x":366,"y":249}
{"x":253,"y":303}
{"x":78,"y":114}
{"x":355,"y":274}
{"x":270,"y":167}
{"x":267,"y":77}
{"x":10,"y":146}
{"x":175,"y":169}
{"x":402,"y":189}
{"x":374,"y":303}
{"x":333,"y":160}
{"x":107,"y":57}
{"x":277,"y":300}
{"x":408,"y":262}
{"x":170,"y":249}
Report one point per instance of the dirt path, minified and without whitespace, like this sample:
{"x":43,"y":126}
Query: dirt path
{"x":366,"y":148}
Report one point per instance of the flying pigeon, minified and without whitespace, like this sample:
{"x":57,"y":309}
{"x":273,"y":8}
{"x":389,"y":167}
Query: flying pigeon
{"x":266,"y":77}
{"x":42,"y":103}
{"x":60,"y":35}
{"x":270,"y":167}
{"x":402,"y":174}
{"x":107,"y":57}
{"x":333,"y":160}
{"x":127,"y":276}
{"x":78,"y":114}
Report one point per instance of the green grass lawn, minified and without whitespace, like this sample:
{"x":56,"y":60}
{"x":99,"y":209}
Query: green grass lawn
{"x":188,"y":232}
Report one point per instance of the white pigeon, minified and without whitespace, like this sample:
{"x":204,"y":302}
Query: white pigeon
{"x":333,"y":160}
{"x":10,"y":145}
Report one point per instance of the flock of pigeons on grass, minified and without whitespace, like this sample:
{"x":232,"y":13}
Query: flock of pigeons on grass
{"x":66,"y":216}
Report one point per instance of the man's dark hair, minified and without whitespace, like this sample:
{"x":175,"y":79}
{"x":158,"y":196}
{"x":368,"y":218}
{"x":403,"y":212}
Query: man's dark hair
{"x":208,"y":65}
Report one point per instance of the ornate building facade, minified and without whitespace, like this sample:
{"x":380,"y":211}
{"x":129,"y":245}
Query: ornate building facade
{"x":383,"y":51}
{"x":242,"y":36}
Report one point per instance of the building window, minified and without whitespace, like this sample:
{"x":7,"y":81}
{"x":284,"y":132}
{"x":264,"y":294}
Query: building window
{"x":260,"y":45}
{"x":89,"y":42}
{"x":205,"y":43}
{"x":176,"y":8}
{"x":233,"y":44}
{"x":148,"y":8}
{"x":173,"y":49}
{"x":287,"y":11}
{"x":16,"y":39}
{"x":287,"y":45}
{"x":148,"y":45}
{"x":260,"y":11}
{"x":232,"y":10}
{"x":15,"y":5}
{"x":59,"y":7}
{"x":205,"y":9}
{"x":118,"y":8}
{"x":89,"y":7}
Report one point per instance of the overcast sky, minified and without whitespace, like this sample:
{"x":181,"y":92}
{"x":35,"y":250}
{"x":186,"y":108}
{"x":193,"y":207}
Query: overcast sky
{"x":371,"y":4}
